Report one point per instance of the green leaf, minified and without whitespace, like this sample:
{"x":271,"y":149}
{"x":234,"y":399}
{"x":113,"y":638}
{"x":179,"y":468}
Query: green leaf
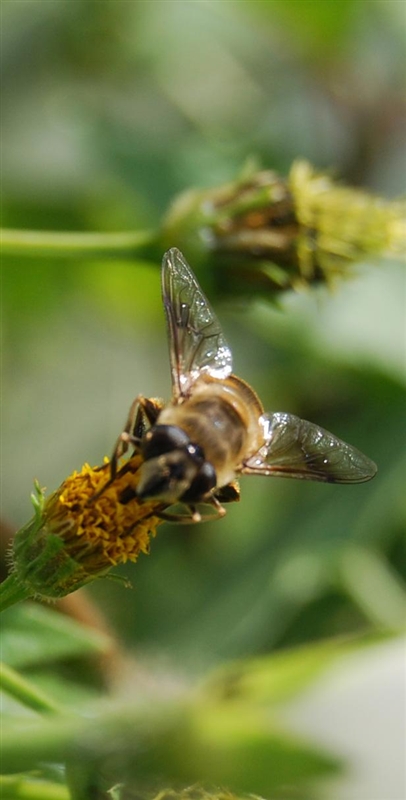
{"x":230,"y":746}
{"x":26,"y":692}
{"x":280,"y":677}
{"x":33,"y":635}
{"x":22,"y":787}
{"x":241,"y":748}
{"x":320,"y":29}
{"x":375,"y":586}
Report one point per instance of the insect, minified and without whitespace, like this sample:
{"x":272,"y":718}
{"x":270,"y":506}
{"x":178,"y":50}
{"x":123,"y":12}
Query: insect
{"x":214,"y":428}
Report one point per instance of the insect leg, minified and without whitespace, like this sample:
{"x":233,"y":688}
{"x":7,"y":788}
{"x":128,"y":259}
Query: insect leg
{"x":229,"y":493}
{"x":221,"y":512}
{"x":193,"y":514}
{"x":185,"y":519}
{"x":142,"y":410}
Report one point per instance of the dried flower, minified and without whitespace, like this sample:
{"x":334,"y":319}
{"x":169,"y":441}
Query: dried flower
{"x":339,"y":225}
{"x":264,"y":233}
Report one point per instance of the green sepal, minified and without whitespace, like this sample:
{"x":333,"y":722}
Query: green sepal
{"x":38,"y":501}
{"x":43,"y":565}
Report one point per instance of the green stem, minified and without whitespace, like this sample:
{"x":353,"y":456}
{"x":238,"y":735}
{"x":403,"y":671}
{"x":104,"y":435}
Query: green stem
{"x":26,"y":693}
{"x":12,"y":591}
{"x":78,"y":245}
{"x":49,"y":739}
{"x":19,"y":787}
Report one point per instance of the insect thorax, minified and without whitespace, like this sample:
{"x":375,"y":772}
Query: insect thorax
{"x":218,"y":419}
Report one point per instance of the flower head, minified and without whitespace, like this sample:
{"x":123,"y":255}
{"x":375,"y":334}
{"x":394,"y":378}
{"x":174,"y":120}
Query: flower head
{"x":88,"y":525}
{"x":264,"y":233}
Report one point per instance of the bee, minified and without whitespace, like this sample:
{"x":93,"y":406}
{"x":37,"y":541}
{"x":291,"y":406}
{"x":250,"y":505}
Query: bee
{"x":214,"y":428}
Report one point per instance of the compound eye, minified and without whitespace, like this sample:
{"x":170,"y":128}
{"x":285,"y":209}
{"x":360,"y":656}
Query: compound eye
{"x":205,"y":480}
{"x":162,"y":439}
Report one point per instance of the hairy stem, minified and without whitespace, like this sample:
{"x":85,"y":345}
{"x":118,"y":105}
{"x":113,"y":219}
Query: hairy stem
{"x":12,"y":591}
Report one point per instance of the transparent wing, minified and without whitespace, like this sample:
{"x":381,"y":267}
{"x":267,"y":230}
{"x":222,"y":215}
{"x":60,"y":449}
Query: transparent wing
{"x":299,"y":449}
{"x":196,"y":341}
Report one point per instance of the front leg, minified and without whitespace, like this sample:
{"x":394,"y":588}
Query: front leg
{"x":193,"y":514}
{"x":229,"y":493}
{"x":143,"y":410}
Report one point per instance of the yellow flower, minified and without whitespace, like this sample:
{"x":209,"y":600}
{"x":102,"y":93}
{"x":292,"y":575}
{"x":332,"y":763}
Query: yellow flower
{"x":88,"y":525}
{"x":110,"y":524}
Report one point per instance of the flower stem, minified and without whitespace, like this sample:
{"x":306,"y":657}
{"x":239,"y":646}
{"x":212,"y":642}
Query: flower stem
{"x":12,"y":591}
{"x":77,"y":245}
{"x":25,"y":692}
{"x":19,"y":787}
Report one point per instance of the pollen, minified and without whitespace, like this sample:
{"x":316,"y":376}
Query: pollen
{"x":102,"y":521}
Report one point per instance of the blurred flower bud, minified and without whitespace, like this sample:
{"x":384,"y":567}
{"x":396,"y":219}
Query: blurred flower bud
{"x":264,"y":233}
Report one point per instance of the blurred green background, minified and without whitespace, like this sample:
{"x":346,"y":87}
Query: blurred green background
{"x":109,"y":110}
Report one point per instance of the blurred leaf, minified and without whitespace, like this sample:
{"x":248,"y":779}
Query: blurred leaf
{"x":281,"y":676}
{"x":26,"y":693}
{"x":375,"y":586}
{"x":18,"y":787}
{"x":232,"y":747}
{"x":34,"y":635}
{"x":320,"y":29}
{"x":240,"y":749}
